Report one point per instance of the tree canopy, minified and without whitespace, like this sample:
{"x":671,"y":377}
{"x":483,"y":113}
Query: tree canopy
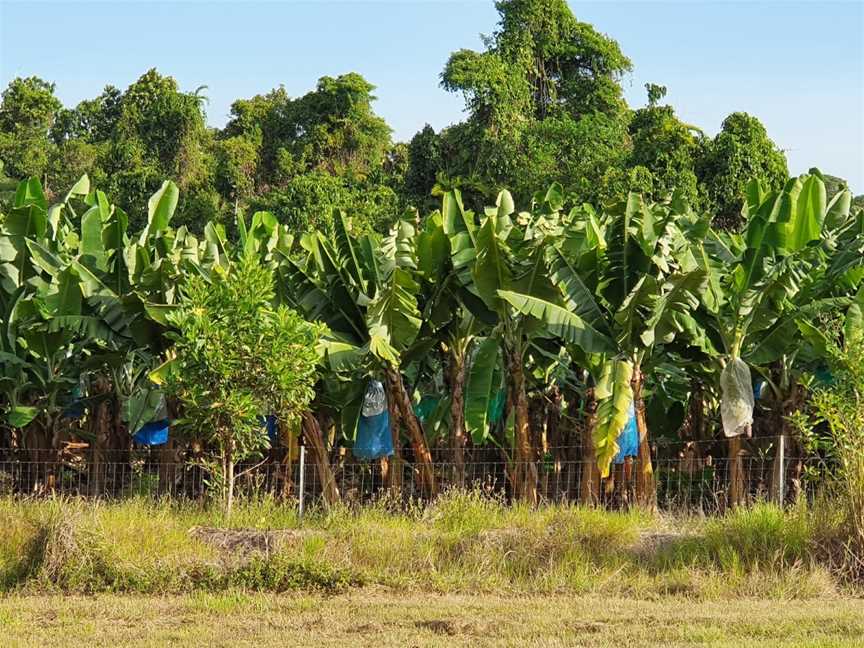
{"x":544,"y":104}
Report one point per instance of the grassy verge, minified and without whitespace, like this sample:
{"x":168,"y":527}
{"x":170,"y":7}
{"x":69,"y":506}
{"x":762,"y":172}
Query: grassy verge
{"x":384,"y":618}
{"x":463,"y":544}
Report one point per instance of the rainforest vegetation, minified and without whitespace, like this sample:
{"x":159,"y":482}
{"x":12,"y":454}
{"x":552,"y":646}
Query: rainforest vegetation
{"x":557,"y":253}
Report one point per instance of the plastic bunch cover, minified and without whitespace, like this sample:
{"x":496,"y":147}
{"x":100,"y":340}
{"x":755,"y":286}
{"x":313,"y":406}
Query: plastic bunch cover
{"x":153,"y":433}
{"x":374,"y":400}
{"x":270,"y":423}
{"x":628,"y":440}
{"x":737,"y":402}
{"x":374,"y":439}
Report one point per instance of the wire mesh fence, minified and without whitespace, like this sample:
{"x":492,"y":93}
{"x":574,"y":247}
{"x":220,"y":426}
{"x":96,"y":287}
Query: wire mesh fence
{"x":689,"y":477}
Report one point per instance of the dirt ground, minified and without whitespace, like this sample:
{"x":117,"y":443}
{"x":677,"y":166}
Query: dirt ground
{"x":382,"y":618}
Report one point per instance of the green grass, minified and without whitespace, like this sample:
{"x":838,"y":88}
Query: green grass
{"x":462,"y":544}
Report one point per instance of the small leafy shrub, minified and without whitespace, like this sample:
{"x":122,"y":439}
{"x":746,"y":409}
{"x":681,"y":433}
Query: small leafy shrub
{"x":237,"y":358}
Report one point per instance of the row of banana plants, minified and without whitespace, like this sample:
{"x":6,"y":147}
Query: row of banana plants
{"x":568,"y":303}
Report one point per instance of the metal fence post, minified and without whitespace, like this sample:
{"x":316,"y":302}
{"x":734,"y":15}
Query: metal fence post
{"x":302,"y":477}
{"x":781,"y":451}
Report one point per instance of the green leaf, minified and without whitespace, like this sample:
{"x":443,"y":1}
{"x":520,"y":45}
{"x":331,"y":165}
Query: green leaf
{"x":578,"y":297}
{"x":561,"y":322}
{"x":67,"y":299}
{"x":433,"y":248}
{"x":92,"y":248}
{"x":29,"y":192}
{"x":161,"y":373}
{"x":777,"y":342}
{"x":810,"y":212}
{"x":20,"y":416}
{"x":341,"y":356}
{"x":43,"y":258}
{"x":678,"y":296}
{"x":345,"y":247}
{"x":480,"y":386}
{"x":814,"y":336}
{"x":160,"y":209}
{"x":490,"y":272}
{"x":393,"y":317}
{"x":79,"y":189}
{"x":838,"y":210}
{"x":853,"y":326}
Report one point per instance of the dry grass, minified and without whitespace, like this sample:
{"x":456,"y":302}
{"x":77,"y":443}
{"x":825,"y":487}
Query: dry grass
{"x":382,"y":618}
{"x":464,"y":544}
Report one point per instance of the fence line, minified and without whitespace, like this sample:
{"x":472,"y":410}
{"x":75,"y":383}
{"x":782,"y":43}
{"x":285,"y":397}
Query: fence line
{"x":685,"y":481}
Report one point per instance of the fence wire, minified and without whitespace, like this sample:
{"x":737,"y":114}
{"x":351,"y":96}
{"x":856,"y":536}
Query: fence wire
{"x":687,"y":477}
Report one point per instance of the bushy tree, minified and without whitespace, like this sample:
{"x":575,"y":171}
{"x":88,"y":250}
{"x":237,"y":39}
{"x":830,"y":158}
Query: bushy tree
{"x":236,"y":357}
{"x":424,"y":164}
{"x":306,"y":203}
{"x":665,"y":147}
{"x":741,"y":151}
{"x":92,"y":120}
{"x":27,"y":112}
{"x":544,"y":101}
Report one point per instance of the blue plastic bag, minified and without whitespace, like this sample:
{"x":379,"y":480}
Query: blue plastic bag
{"x":759,"y":389}
{"x":152,"y":434}
{"x":373,"y":437}
{"x":628,"y":440}
{"x":75,"y":407}
{"x":272,"y":426}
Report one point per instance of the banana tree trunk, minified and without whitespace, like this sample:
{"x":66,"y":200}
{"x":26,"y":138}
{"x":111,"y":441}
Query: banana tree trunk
{"x":589,"y":483}
{"x":785,"y":432}
{"x":422,"y":456}
{"x":457,"y":414}
{"x":166,"y":456}
{"x":525,"y":470}
{"x":315,"y":442}
{"x":646,"y":489}
{"x":101,"y":430}
{"x":554,"y":439}
{"x":391,"y":467}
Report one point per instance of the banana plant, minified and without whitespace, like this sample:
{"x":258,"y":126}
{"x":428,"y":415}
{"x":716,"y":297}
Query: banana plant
{"x":494,"y":261}
{"x":615,"y":300}
{"x":798,"y":258}
{"x":365,"y":290}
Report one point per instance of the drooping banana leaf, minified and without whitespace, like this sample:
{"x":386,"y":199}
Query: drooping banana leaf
{"x":614,"y":396}
{"x":560,"y":322}
{"x":480,"y":386}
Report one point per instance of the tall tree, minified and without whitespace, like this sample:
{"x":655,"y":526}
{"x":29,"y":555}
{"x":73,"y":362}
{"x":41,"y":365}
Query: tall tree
{"x":529,"y":95}
{"x":27,"y":112}
{"x":741,"y":151}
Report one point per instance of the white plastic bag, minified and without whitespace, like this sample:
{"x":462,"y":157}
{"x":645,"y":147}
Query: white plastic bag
{"x":374,"y":400}
{"x":736,"y":405}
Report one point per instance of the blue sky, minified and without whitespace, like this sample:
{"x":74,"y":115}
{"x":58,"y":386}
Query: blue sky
{"x":797,"y":66}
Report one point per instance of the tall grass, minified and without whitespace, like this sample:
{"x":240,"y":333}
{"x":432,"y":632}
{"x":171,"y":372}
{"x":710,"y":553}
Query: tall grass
{"x":462,"y":543}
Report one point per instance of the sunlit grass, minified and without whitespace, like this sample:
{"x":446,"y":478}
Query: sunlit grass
{"x":463,"y":543}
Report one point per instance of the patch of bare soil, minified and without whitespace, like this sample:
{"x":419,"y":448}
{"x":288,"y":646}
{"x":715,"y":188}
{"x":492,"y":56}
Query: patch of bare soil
{"x":247,"y":541}
{"x":651,"y":543}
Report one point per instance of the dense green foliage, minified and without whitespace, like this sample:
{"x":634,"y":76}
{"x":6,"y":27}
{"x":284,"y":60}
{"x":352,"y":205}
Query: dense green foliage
{"x":600,"y":307}
{"x":655,"y":267}
{"x":235,"y":359}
